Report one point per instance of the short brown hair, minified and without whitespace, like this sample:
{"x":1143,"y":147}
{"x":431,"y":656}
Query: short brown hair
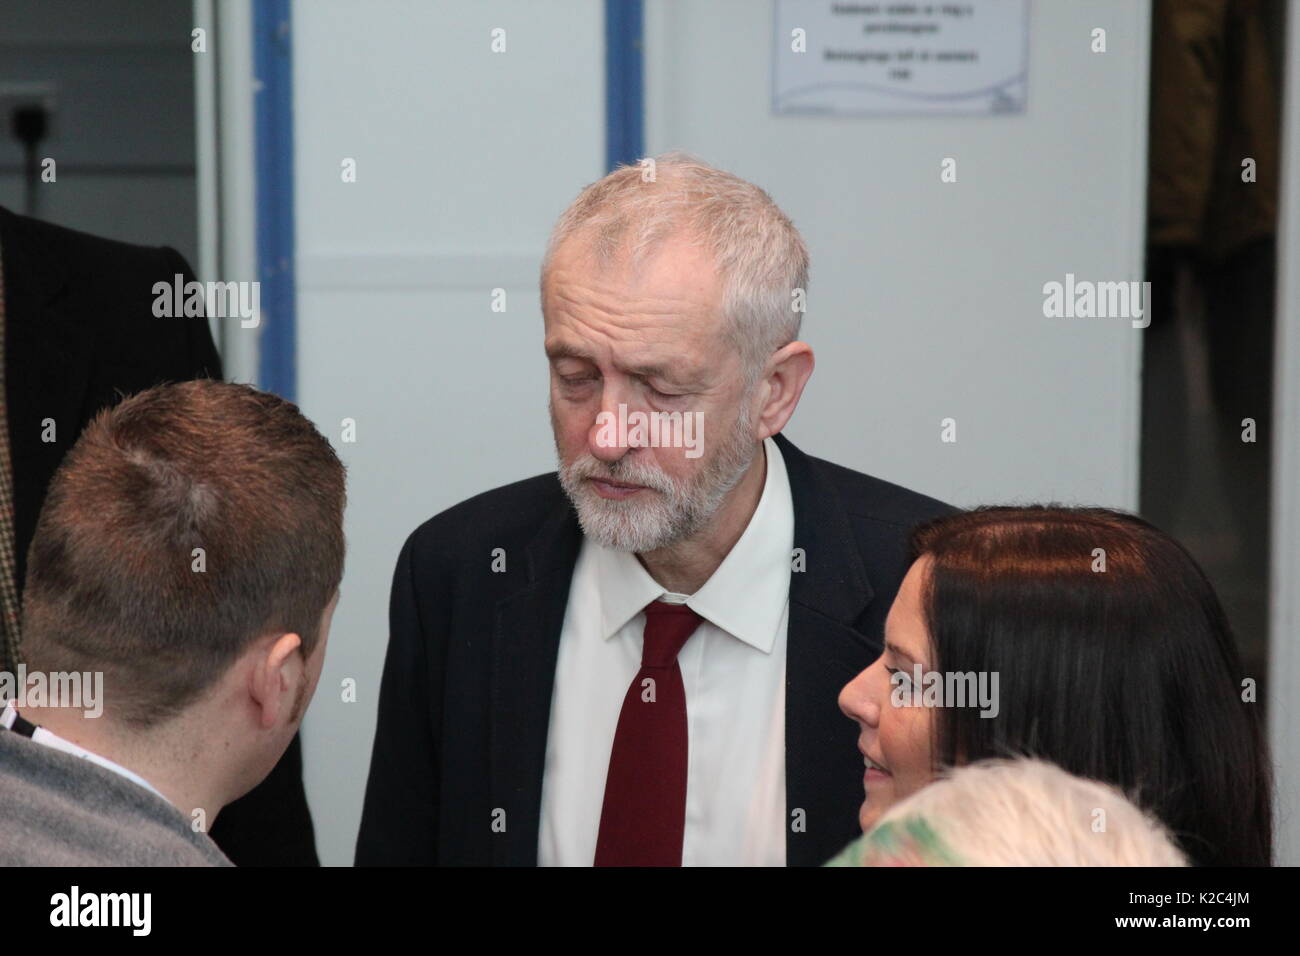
{"x":114,"y":581}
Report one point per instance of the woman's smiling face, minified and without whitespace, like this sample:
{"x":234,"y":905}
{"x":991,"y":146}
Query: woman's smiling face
{"x":895,"y":740}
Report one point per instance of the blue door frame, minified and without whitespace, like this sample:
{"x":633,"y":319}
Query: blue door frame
{"x":273,"y":131}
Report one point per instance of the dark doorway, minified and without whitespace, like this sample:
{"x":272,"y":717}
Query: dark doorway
{"x":1207,"y":403}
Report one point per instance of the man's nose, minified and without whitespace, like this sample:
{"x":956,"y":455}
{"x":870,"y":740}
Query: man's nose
{"x":607,"y":440}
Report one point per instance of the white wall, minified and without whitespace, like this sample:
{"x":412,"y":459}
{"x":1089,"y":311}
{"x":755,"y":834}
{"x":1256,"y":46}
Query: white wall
{"x":224,"y":93}
{"x":464,"y":159}
{"x":1284,"y":611}
{"x":926,"y":298}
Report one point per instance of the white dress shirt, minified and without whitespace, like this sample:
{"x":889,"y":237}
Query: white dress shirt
{"x":50,"y":739}
{"x":733,"y":672}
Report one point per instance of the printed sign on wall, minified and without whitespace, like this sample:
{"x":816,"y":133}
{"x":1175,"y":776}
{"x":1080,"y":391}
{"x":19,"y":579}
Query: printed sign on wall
{"x":855,"y":58}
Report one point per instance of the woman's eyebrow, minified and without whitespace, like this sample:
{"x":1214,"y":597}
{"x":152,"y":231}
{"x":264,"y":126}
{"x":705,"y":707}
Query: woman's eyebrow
{"x":898,"y":651}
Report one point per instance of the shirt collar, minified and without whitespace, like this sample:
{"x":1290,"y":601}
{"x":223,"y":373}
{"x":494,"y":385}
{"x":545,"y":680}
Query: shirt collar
{"x":55,"y":742}
{"x":747,"y":594}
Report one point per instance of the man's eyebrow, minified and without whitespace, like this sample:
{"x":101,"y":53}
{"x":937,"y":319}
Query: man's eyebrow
{"x":562,"y":350}
{"x":652,"y":371}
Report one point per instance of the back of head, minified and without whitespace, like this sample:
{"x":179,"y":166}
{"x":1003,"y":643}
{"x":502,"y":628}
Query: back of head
{"x":1115,"y":661}
{"x":186,"y":522}
{"x":1018,"y":813}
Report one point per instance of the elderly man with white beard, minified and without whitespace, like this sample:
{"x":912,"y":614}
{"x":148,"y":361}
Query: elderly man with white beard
{"x":636,"y":660}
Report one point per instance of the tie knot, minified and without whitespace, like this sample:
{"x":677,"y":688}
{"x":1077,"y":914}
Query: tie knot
{"x":667,"y":626}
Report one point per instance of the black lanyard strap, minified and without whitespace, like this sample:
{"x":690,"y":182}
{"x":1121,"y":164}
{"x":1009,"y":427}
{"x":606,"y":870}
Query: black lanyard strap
{"x":22,"y":726}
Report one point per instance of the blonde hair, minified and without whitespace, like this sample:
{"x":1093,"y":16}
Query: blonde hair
{"x":757,"y":251}
{"x":1020,"y":812}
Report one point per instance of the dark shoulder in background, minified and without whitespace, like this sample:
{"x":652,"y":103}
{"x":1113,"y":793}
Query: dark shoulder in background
{"x":80,"y":334}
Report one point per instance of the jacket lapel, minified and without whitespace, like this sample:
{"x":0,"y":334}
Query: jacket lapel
{"x":525,"y":643}
{"x":823,"y":652}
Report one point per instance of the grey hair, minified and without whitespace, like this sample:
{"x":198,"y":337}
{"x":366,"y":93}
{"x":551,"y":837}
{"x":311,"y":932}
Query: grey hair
{"x":1028,"y":812}
{"x":757,"y":251}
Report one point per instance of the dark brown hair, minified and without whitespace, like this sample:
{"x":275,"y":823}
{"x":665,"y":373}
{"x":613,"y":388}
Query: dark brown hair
{"x":1127,"y":675}
{"x":114,"y":581}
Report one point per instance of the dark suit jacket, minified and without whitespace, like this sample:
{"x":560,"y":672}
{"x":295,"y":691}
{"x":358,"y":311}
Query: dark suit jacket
{"x":80,"y":334}
{"x":465,"y":702}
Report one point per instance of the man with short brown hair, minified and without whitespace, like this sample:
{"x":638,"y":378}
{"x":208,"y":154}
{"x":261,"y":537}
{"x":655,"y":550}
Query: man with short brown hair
{"x":179,"y":593}
{"x":78,"y":333}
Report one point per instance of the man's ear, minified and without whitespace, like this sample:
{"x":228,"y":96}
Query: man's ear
{"x":274,"y":673}
{"x":787,"y":372}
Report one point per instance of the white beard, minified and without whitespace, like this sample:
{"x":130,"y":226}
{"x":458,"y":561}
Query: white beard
{"x":673,"y":511}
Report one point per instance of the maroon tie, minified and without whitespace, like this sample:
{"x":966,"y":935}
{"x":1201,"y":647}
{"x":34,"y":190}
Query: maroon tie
{"x":644,"y":815}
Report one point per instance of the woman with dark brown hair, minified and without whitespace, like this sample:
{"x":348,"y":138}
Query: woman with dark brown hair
{"x":1108,"y":654}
